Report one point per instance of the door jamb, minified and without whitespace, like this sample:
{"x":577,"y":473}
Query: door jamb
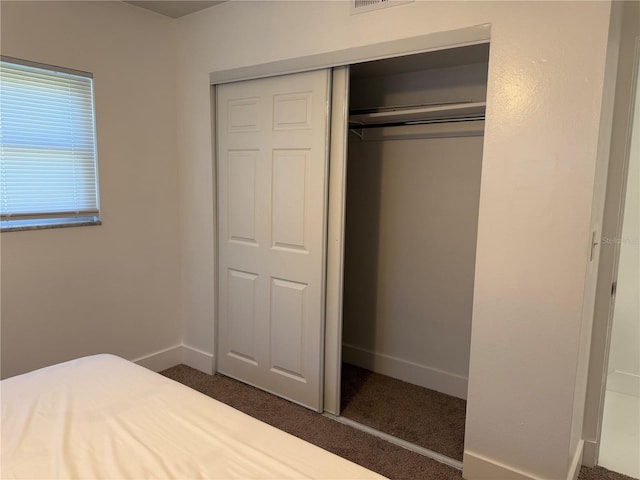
{"x":335,"y":239}
{"x":625,"y":97}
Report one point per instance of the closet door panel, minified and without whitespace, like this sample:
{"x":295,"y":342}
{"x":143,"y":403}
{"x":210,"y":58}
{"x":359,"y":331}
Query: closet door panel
{"x":242,"y":199}
{"x":272,"y":181}
{"x":241,"y":313}
{"x":288,"y":318}
{"x":290,"y":204}
{"x":335,"y":238}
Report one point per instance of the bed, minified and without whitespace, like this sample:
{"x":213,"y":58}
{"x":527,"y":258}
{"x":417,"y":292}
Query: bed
{"x":102,"y":417}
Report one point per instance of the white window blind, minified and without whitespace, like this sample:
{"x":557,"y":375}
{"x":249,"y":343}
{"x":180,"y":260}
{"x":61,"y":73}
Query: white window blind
{"x":48,"y":171}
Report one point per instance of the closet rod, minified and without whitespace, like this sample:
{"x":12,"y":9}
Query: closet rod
{"x":444,"y":129}
{"x":460,"y":111}
{"x":360,"y":126}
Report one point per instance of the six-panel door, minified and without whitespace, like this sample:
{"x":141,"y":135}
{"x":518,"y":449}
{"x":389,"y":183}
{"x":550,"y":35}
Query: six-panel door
{"x":272,"y":183}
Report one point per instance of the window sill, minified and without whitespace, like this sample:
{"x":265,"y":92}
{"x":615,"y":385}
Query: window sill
{"x":43,"y":227}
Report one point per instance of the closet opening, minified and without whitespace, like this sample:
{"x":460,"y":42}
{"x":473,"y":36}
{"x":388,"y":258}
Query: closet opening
{"x":414,"y":159}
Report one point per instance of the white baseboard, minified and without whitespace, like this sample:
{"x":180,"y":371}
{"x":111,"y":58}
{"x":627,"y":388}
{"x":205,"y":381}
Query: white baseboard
{"x":197,"y":359}
{"x":623,"y":382}
{"x":161,"y":360}
{"x":422,"y":375}
{"x":477,"y":467}
{"x":590,"y":453}
{"x":576,"y":462}
{"x":173,"y":356}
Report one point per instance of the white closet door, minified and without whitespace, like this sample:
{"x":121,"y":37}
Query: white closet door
{"x":272,"y":183}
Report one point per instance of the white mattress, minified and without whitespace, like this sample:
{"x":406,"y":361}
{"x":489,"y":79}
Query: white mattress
{"x":104,"y":417}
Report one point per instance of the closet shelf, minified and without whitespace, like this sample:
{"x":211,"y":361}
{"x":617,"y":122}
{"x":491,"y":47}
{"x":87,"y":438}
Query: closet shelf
{"x":417,"y":114}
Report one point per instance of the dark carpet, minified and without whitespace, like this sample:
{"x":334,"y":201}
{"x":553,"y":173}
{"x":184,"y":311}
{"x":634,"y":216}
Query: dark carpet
{"x":418,"y":415}
{"x":373,"y":453}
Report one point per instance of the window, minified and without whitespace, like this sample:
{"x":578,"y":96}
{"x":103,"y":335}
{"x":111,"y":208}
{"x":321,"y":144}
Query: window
{"x":48,"y":170}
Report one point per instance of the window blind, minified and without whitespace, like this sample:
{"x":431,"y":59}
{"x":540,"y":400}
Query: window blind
{"x":48,"y":172}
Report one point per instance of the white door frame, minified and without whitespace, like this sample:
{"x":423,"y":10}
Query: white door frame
{"x":473,"y":35}
{"x":627,"y":70}
{"x":335,"y":239}
{"x":395,"y":48}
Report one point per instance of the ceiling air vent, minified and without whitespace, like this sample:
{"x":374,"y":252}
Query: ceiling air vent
{"x":361,"y":6}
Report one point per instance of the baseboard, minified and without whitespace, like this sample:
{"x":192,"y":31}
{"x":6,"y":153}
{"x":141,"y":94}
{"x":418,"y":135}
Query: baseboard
{"x":477,"y":467}
{"x":576,"y":462}
{"x":197,"y":359}
{"x":623,"y":382}
{"x":422,"y":375}
{"x":161,"y":360}
{"x":590,"y":453}
{"x":173,"y":356}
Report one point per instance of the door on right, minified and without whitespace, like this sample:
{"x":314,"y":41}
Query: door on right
{"x":620,"y":437}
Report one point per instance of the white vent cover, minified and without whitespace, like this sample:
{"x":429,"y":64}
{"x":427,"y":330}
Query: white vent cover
{"x":361,"y":6}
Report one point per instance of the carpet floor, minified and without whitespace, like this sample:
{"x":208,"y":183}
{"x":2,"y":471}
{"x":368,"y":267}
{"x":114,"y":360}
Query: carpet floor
{"x":418,"y":415}
{"x":373,"y":453}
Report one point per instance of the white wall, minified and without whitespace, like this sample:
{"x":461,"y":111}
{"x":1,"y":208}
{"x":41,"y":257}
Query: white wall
{"x":412,"y":219}
{"x":113,"y":288}
{"x":624,"y":357}
{"x":546,"y":75}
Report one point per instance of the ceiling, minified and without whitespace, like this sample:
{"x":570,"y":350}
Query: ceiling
{"x":175,"y":8}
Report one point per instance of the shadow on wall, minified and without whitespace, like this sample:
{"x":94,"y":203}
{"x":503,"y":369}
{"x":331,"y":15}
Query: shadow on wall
{"x":362,"y":237}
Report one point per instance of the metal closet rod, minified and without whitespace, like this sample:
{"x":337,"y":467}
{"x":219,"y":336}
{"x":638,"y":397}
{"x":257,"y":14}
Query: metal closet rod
{"x":395,"y":108}
{"x":473,"y":118}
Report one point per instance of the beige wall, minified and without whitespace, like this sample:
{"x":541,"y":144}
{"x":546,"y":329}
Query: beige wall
{"x":546,"y":75}
{"x":68,"y":292}
{"x":412,"y":219}
{"x":112,"y":288}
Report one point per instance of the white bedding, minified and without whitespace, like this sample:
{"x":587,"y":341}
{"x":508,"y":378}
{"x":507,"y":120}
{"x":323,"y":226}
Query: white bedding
{"x":103,"y":417}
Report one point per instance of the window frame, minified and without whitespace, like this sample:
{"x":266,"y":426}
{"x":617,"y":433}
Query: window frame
{"x":68,"y":218}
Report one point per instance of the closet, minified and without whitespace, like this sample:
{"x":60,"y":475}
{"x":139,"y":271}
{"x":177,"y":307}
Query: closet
{"x":376,"y":271}
{"x":412,"y":192}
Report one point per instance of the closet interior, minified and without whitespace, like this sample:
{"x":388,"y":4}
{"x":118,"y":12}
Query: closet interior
{"x":415,"y":145}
